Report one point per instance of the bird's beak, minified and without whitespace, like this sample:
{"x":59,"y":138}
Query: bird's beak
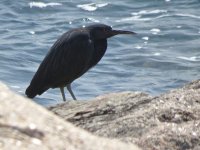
{"x":116,"y":32}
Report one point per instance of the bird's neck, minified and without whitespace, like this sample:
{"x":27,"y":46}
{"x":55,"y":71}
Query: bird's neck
{"x":100,"y":47}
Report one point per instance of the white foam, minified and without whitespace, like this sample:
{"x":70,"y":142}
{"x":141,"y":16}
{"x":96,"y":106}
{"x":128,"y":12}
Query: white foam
{"x":87,"y":7}
{"x":91,"y":6}
{"x":179,"y":27}
{"x":155,"y":30}
{"x":167,"y":0}
{"x":144,"y":12}
{"x":93,"y":20}
{"x":102,"y":5}
{"x":162,"y":16}
{"x":193,"y":58}
{"x":133,"y":18}
{"x":31,"y":32}
{"x":188,"y":15}
{"x":138,"y":47}
{"x":137,"y":16}
{"x":145,"y":38}
{"x":42,"y":5}
{"x":157,"y":54}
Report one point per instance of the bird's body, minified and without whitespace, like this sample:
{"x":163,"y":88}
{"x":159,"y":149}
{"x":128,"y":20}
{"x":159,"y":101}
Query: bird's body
{"x":73,"y":54}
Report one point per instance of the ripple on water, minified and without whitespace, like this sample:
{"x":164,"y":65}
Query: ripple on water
{"x":145,"y":38}
{"x":155,"y":30}
{"x":143,"y":15}
{"x":163,"y":55}
{"x":42,"y":4}
{"x":92,"y":6}
{"x":147,"y":12}
{"x":193,"y":58}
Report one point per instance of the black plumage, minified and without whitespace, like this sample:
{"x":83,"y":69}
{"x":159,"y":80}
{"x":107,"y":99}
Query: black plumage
{"x":74,"y":53}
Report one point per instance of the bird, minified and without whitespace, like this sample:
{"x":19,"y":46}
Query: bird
{"x":72,"y":55}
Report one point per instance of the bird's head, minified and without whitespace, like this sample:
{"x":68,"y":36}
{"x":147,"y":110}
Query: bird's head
{"x":101,"y":31}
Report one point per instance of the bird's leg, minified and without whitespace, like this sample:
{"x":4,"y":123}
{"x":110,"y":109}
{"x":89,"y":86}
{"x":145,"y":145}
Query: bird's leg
{"x":70,"y":91}
{"x":62,"y":92}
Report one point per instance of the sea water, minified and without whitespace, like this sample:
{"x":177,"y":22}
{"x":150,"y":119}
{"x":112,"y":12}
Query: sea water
{"x":165,"y":53}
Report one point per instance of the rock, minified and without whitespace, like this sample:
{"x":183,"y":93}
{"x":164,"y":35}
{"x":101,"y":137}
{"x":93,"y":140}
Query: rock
{"x":168,"y":121}
{"x":26,"y":125}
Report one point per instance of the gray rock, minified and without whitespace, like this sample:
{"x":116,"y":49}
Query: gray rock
{"x":25,"y":125}
{"x":169,"y":121}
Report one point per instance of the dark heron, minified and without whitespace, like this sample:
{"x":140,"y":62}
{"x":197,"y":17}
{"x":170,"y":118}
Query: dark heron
{"x":73,"y":54}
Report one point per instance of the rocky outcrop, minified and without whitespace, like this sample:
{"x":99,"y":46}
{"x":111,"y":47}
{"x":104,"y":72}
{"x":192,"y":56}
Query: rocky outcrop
{"x":168,"y":121}
{"x":25,"y":125}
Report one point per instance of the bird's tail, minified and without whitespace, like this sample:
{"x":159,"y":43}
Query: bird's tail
{"x":31,"y":92}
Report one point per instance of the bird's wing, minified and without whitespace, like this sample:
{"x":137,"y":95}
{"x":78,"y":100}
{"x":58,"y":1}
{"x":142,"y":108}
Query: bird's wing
{"x":67,"y":60}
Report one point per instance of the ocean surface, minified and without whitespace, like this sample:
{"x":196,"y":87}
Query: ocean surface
{"x":165,"y":53}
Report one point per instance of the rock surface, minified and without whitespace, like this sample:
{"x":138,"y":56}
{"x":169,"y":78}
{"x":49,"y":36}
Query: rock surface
{"x":169,"y":121}
{"x":25,"y":125}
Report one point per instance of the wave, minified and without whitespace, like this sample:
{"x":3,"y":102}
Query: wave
{"x":133,"y":18}
{"x":193,"y":58}
{"x":42,"y":5}
{"x":178,"y":15}
{"x":188,"y":15}
{"x":138,"y":16}
{"x":147,"y":12}
{"x":91,"y":6}
{"x":145,"y":38}
{"x":155,"y":30}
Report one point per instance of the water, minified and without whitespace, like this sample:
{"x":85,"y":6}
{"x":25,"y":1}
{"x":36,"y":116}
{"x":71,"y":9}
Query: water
{"x":164,"y":55}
